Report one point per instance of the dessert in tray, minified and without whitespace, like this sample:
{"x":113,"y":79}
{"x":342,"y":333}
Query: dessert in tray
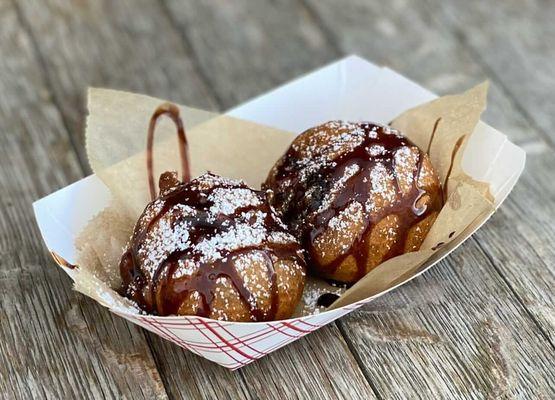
{"x":342,"y":199}
{"x":349,"y":202}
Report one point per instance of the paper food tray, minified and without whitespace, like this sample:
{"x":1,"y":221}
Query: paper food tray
{"x":349,"y":89}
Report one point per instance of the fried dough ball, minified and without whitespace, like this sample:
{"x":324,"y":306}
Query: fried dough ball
{"x":355,"y":195}
{"x":215,"y":248}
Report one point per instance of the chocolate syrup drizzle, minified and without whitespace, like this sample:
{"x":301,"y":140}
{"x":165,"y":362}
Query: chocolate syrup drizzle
{"x":172,"y":111}
{"x":161,"y":292}
{"x":307,"y":223}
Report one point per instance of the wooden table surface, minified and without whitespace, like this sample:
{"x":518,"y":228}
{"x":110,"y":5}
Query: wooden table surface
{"x":478,"y":325}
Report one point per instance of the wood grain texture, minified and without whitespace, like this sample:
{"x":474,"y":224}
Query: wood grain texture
{"x":406,"y":37}
{"x":126,"y":45}
{"x":54,"y":343}
{"x":513,"y":40}
{"x":248,"y":47}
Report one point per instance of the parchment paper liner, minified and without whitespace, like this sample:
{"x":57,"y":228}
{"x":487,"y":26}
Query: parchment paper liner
{"x":116,"y":135}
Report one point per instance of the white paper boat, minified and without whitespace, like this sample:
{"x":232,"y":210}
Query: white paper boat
{"x":350,"y":89}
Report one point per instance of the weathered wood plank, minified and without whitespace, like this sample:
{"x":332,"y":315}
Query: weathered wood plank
{"x":126,"y":45}
{"x":180,"y":370}
{"x":53,"y":343}
{"x":455,"y":332}
{"x":248,"y":47}
{"x":406,"y":38}
{"x":519,"y":240}
{"x":514,"y":41}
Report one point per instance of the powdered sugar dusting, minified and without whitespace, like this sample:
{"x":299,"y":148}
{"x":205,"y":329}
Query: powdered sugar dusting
{"x":339,"y":185}
{"x":226,"y":201}
{"x":376,"y":150}
{"x":341,"y":179}
{"x":161,"y":242}
{"x":405,"y":164}
{"x":210,"y":222}
{"x":313,"y":290}
{"x":250,"y":231}
{"x":381,"y":179}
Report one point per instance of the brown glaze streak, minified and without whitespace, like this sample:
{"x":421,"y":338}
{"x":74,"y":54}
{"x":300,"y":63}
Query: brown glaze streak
{"x":172,"y":111}
{"x":163,"y":294}
{"x":433,"y":135}
{"x":309,"y":225}
{"x":456,"y":149}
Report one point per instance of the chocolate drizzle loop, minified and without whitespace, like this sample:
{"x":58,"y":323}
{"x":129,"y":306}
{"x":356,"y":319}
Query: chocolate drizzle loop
{"x":172,"y":111}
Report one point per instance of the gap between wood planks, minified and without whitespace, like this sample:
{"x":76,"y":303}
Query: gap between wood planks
{"x":357,"y":357}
